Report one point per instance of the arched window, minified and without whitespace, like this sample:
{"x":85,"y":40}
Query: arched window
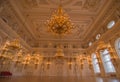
{"x":117,"y":46}
{"x":106,"y":59}
{"x":95,"y":63}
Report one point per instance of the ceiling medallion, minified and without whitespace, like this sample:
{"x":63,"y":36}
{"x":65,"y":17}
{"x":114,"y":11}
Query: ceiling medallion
{"x":60,"y":23}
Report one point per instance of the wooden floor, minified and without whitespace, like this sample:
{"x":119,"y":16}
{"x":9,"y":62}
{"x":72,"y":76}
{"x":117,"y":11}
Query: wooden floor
{"x":57,"y":79}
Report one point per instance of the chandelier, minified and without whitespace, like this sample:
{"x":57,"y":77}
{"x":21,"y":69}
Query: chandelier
{"x":60,"y":23}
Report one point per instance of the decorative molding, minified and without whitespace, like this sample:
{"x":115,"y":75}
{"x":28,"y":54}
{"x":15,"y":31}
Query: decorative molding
{"x":12,"y":34}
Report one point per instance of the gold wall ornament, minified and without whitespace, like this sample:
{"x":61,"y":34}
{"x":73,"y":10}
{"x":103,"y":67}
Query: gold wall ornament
{"x":60,"y":23}
{"x":10,"y":49}
{"x":15,"y":44}
{"x":101,"y":45}
{"x":59,"y":53}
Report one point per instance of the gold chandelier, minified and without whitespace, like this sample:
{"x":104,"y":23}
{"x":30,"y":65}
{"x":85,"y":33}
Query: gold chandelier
{"x":60,"y":23}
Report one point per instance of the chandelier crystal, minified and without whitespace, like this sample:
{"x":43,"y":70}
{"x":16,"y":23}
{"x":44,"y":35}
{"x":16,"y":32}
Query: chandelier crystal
{"x":60,"y":23}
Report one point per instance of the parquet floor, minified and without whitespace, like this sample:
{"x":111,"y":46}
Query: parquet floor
{"x":57,"y":79}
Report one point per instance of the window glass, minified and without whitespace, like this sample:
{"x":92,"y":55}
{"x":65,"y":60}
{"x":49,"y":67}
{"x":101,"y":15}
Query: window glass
{"x":90,"y":43}
{"x":110,"y":24}
{"x":106,"y":58}
{"x":108,"y":66}
{"x":117,"y":46}
{"x":94,"y":56}
{"x":95,"y":63}
{"x":97,"y":36}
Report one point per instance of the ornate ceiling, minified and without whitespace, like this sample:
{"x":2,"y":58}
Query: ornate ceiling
{"x":35,"y":13}
{"x":28,"y":17}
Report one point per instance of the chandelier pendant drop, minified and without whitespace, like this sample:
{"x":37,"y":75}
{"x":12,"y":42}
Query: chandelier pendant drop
{"x":60,"y":23}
